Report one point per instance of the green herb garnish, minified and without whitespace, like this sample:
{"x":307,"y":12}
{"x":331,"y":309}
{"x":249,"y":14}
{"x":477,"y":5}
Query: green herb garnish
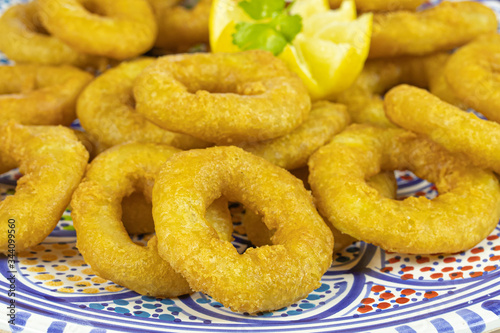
{"x":273,"y":29}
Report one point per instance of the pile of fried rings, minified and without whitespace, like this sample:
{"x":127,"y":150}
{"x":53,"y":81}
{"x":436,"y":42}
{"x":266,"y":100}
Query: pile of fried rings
{"x":172,"y":140}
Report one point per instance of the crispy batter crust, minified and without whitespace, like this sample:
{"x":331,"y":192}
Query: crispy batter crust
{"x":223,"y":98}
{"x":137,"y":215}
{"x":260,"y":235}
{"x":364,"y":98}
{"x":106,"y":110}
{"x":117,"y":29}
{"x":101,"y":236}
{"x":440,"y":28}
{"x":472,"y":73}
{"x":40,"y":95}
{"x":458,"y":131}
{"x":25,"y":40}
{"x":52,"y":162}
{"x":292,"y":151}
{"x":261,"y":279}
{"x":465,"y":212}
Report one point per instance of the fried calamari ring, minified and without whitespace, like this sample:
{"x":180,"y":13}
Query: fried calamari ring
{"x":179,"y":27}
{"x":458,"y":131}
{"x":237,"y":97}
{"x":102,"y":238}
{"x":466,"y":210}
{"x":106,"y":110}
{"x":472,"y":73}
{"x":52,"y":162}
{"x":117,"y":29}
{"x":364,"y":98}
{"x":381,"y":5}
{"x":260,"y":279}
{"x":440,"y":28}
{"x":293,"y":150}
{"x":40,"y":95}
{"x":25,"y":40}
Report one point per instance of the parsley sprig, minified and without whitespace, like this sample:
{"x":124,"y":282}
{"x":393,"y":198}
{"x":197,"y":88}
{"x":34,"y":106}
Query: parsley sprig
{"x":273,"y":27}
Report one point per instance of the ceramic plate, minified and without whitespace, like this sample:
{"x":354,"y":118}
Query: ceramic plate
{"x":366,"y":289}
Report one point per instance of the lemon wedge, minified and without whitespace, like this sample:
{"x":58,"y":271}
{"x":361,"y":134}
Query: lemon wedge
{"x":331,"y":58}
{"x":328,"y":54}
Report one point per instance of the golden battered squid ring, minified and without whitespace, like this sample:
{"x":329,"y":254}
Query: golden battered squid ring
{"x":52,"y":162}
{"x":40,"y":95}
{"x":108,"y":103}
{"x":101,"y":236}
{"x":292,"y":151}
{"x":440,"y":28}
{"x":471,"y":72}
{"x":236,"y":98}
{"x":458,"y":131}
{"x":260,"y":279}
{"x":117,"y":29}
{"x":180,"y":28}
{"x":466,"y":210}
{"x":25,"y":40}
{"x":381,"y":5}
{"x":364,"y":98}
